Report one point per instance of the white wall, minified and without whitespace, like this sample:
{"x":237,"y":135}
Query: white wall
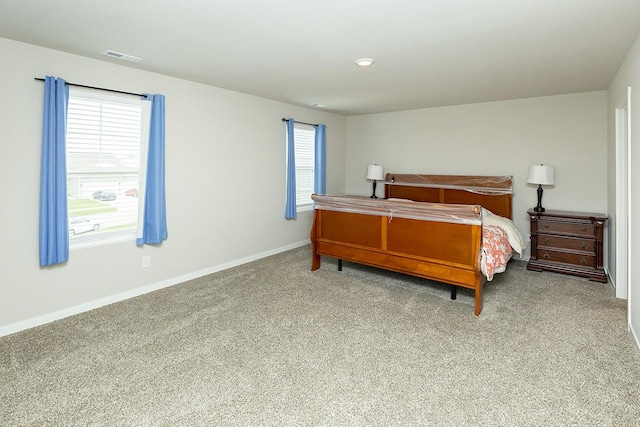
{"x":628,"y":76}
{"x":225,"y":187}
{"x":568,"y":132}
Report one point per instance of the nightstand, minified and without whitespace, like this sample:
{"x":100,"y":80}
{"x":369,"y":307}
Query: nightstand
{"x":567,"y":242}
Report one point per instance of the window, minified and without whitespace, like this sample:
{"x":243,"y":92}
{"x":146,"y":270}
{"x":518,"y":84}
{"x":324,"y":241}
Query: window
{"x":304,"y":150}
{"x":304,"y":137}
{"x":103,"y":166}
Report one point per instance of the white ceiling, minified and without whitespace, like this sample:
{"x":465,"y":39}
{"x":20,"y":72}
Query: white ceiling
{"x":428,"y":52}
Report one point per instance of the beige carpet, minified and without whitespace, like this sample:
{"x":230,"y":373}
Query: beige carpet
{"x":271,"y":343}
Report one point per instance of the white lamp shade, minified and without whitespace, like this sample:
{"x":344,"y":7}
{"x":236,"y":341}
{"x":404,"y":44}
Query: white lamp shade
{"x":375,"y":172}
{"x":542,"y":175}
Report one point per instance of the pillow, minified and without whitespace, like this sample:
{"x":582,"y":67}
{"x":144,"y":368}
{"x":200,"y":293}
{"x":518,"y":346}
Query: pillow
{"x":513,"y":235}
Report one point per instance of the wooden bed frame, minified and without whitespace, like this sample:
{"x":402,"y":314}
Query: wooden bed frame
{"x":451,"y":252}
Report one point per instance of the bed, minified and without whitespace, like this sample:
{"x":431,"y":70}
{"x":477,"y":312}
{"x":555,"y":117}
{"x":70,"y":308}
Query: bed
{"x":445,"y":228}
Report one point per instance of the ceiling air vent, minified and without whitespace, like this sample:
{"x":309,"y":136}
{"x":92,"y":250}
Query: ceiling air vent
{"x":122,"y":56}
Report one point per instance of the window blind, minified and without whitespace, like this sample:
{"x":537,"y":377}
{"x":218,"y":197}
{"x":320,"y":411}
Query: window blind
{"x":103,"y":163}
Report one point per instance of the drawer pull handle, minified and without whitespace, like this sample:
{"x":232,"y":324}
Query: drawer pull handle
{"x":546,"y":242}
{"x":546,"y":256}
{"x":584,"y":228}
{"x":583,"y":245}
{"x":546,"y":226}
{"x":583,"y":261}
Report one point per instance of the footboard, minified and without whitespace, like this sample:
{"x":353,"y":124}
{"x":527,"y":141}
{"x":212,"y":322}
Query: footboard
{"x":444,"y":246}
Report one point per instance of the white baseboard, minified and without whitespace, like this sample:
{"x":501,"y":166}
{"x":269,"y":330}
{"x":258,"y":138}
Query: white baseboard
{"x":71,"y":311}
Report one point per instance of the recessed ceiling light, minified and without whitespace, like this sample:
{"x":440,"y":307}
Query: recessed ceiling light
{"x":122,"y":56}
{"x":364,"y":62}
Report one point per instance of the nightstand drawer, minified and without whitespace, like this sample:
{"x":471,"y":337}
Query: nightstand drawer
{"x":566,"y":228}
{"x":567,"y":258}
{"x":562,"y":242}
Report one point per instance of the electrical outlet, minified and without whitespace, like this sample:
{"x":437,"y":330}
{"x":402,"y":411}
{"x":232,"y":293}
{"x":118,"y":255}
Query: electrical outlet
{"x":146,"y":261}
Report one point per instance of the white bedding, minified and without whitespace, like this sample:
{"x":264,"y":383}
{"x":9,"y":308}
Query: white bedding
{"x":500,"y":238}
{"x":515,"y":238}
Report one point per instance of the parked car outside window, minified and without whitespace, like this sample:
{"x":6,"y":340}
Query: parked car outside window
{"x":104,"y":195}
{"x":82,"y":225}
{"x":133,"y":192}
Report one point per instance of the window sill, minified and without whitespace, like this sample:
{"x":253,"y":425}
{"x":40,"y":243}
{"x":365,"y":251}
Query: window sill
{"x":304,"y":208}
{"x":86,"y":243}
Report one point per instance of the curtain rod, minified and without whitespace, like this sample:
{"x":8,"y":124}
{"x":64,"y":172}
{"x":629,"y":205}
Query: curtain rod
{"x":99,"y":88}
{"x":302,"y":123}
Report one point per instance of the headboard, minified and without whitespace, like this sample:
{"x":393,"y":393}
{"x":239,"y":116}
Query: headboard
{"x":491,"y":192}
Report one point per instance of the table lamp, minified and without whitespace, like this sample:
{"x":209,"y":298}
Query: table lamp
{"x":541,"y":175}
{"x":375,"y":173}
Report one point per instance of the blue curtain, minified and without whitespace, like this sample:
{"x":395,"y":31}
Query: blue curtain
{"x":154,"y":217}
{"x":320,"y":168}
{"x":54,"y":227}
{"x":290,"y":210}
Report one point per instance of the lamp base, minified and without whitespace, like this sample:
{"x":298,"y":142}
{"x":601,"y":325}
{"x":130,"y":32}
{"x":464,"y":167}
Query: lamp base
{"x":373,"y":196}
{"x":539,"y":208}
